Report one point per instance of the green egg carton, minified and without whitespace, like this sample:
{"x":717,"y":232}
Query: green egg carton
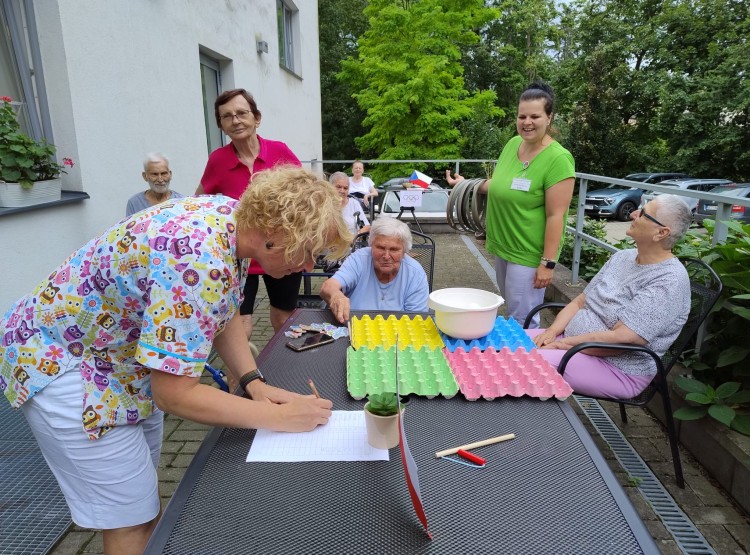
{"x":422,"y":372}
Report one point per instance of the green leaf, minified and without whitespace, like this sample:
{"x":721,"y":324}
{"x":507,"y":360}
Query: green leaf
{"x":733,"y":354}
{"x":739,"y":398}
{"x":690,"y":384}
{"x":699,"y":398}
{"x":690,"y":413}
{"x":722,"y":413}
{"x":741,"y":424}
{"x":727,"y":389}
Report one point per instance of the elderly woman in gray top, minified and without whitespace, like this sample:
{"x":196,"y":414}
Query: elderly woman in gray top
{"x":640,"y":296}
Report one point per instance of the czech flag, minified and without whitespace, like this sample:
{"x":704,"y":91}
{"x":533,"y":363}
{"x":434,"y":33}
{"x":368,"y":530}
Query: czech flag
{"x":419,"y":179}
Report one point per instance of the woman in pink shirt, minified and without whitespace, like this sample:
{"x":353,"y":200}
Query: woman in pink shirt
{"x":229,"y":172}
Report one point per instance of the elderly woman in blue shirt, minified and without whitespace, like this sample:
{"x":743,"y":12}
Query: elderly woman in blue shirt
{"x":379,"y":277}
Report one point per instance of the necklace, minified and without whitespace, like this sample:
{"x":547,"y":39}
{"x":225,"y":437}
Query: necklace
{"x":384,"y":288}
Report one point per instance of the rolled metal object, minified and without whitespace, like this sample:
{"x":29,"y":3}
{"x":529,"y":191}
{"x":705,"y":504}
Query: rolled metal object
{"x":466,"y":207}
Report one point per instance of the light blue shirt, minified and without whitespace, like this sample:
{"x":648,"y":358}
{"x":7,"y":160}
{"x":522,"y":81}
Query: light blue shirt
{"x":408,"y":292}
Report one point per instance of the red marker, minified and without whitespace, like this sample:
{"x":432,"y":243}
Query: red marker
{"x":471,"y":457}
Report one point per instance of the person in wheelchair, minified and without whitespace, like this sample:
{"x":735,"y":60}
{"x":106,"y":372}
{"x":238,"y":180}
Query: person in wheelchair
{"x":354,"y":217}
{"x":640,"y":296}
{"x":379,"y":277}
{"x":351,"y":209}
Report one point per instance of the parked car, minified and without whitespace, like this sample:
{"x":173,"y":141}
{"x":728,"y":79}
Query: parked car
{"x":617,"y":201}
{"x":688,"y":185}
{"x":431,"y":215}
{"x":707,"y":208}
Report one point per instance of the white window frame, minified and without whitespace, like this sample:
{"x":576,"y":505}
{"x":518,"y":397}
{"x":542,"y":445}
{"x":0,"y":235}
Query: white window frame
{"x":23,"y":43}
{"x":215,"y":137}
{"x":287,"y":18}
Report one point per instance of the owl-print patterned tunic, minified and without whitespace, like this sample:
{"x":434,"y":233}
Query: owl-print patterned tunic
{"x":150,"y":294}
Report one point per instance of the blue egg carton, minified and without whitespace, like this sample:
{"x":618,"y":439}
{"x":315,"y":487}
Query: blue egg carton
{"x":505,"y":333}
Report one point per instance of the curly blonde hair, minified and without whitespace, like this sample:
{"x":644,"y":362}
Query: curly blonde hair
{"x":299,"y":204}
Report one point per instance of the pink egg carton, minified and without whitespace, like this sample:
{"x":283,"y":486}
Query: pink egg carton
{"x":492,"y":374}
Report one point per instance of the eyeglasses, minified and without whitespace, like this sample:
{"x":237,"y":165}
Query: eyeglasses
{"x":648,"y":217}
{"x":241,"y":115}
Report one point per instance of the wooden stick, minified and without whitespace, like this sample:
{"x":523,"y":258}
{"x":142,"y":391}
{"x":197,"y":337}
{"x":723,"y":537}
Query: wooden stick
{"x":474,"y":445}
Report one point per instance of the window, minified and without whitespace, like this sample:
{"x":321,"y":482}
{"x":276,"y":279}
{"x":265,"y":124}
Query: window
{"x":287,"y":19}
{"x":211,"y":84}
{"x":21,"y":75}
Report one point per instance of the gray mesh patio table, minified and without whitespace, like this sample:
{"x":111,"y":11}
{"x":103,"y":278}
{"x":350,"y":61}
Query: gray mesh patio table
{"x":547,"y":491}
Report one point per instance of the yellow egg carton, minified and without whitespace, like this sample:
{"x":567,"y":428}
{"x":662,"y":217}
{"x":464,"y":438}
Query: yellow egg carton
{"x":416,"y":332}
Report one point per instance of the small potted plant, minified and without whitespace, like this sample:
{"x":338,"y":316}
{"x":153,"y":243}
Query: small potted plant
{"x":29,"y":173}
{"x":381,"y":419}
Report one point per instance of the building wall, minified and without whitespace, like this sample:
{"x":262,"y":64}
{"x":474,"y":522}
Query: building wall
{"x":123,"y":78}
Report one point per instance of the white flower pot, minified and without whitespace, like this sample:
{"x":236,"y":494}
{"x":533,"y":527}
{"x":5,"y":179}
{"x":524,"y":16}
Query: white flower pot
{"x":382,"y":431}
{"x":12,"y":195}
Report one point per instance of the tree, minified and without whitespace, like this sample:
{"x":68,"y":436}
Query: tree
{"x":341,"y":23}
{"x":705,"y":108}
{"x":608,"y":85}
{"x":409,"y":81}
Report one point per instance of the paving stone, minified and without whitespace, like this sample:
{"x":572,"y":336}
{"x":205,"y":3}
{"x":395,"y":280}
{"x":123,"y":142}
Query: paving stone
{"x":669,"y":547}
{"x":190,"y":447}
{"x":190,"y":425}
{"x":658,"y":531}
{"x":186,"y":435}
{"x":166,"y":459}
{"x":170,"y":474}
{"x":96,"y":545}
{"x":721,"y":540}
{"x":741,"y":534}
{"x":182,"y":461}
{"x":714,"y":515}
{"x":708,"y":491}
{"x":167,"y":489}
{"x":171,"y":447}
{"x":73,"y":543}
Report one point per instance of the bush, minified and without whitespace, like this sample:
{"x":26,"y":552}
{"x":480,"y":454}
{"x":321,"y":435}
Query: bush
{"x":592,"y":257}
{"x":720,"y":383}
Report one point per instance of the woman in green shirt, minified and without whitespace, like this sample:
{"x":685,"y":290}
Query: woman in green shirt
{"x":527,"y":204}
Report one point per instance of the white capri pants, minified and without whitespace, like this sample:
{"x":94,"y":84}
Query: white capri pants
{"x":516,"y":285}
{"x":110,"y":482}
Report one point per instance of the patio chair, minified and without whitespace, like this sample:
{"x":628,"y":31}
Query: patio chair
{"x":705,"y":288}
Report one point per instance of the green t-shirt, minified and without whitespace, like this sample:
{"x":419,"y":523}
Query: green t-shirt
{"x":516,"y":218}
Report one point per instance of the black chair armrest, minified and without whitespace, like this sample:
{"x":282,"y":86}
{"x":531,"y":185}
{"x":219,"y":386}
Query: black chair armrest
{"x":618,"y":346}
{"x":539,"y":307}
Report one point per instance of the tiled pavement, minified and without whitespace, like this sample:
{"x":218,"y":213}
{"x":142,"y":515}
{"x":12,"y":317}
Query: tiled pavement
{"x":725,"y":526}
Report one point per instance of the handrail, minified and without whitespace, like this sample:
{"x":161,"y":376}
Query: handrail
{"x":723,"y":209}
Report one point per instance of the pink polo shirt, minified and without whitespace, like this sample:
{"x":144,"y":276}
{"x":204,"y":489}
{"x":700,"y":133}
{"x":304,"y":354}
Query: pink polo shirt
{"x":226,"y":175}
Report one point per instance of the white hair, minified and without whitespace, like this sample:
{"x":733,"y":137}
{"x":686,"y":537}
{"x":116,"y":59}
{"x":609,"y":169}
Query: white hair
{"x":391,"y":227}
{"x":335,"y":176}
{"x":674,"y":212}
{"x":154,"y":158}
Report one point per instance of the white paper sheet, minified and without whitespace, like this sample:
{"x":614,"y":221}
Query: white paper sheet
{"x":344,"y":438}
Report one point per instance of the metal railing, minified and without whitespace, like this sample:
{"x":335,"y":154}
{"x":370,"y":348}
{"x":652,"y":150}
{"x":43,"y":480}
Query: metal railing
{"x":723,"y":209}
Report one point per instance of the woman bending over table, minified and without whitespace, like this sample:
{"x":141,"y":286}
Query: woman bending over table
{"x":123,"y":327}
{"x":640,"y":296}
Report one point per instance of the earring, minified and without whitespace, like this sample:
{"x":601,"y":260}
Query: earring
{"x":269,"y":245}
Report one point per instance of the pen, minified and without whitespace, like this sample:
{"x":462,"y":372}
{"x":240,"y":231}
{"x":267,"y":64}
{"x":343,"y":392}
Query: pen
{"x":314,"y":389}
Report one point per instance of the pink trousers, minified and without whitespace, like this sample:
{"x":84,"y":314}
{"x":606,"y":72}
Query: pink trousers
{"x":594,"y":376}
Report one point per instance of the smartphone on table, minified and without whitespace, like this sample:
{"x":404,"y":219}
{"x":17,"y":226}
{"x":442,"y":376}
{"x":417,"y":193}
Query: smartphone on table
{"x":309,"y":341}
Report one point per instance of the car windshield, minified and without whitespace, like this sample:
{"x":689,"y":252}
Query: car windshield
{"x":613,"y":187}
{"x":730,"y":191}
{"x":432,"y":201}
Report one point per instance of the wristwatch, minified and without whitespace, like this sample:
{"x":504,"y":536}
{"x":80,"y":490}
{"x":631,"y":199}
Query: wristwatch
{"x":250,"y":377}
{"x":548,"y":263}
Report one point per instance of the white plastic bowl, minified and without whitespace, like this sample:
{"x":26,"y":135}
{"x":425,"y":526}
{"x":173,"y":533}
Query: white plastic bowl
{"x":464,"y":313}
